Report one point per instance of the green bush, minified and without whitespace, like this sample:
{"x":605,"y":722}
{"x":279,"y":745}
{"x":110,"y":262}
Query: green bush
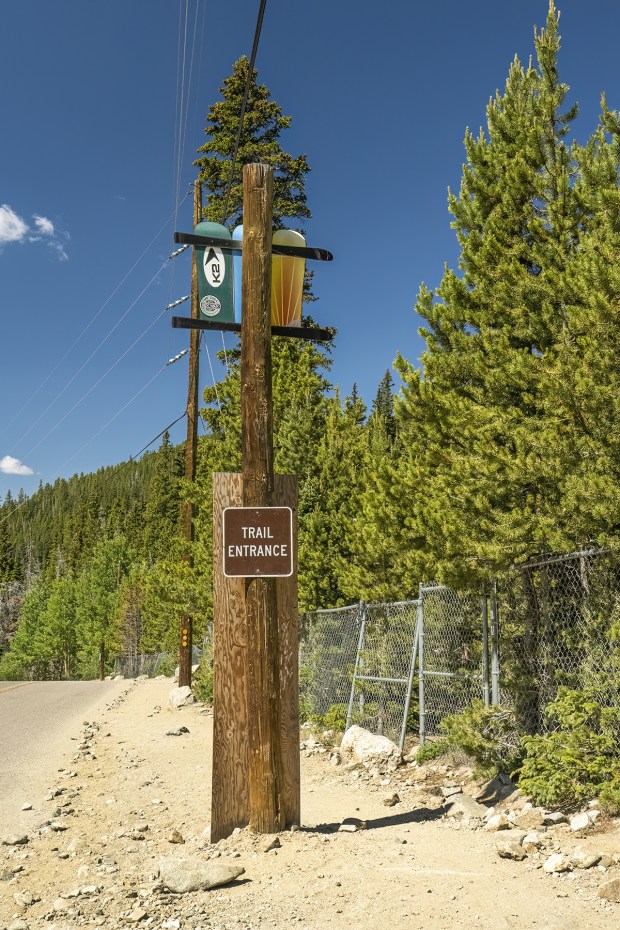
{"x":579,"y":760}
{"x":202,"y":680}
{"x":487,"y":734}
{"x":433,"y":750}
{"x":336,"y":717}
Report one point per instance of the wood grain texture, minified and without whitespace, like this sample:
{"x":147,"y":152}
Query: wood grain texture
{"x":232,"y":724}
{"x":286,"y":495}
{"x":229,"y":791}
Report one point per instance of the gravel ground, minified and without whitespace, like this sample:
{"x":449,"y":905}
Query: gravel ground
{"x":129,"y":796}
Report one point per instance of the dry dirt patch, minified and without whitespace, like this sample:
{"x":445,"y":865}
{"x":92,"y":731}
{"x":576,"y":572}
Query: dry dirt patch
{"x":129,"y":792}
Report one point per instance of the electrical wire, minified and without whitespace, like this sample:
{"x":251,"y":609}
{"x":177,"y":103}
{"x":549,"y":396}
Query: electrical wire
{"x":217,"y":396}
{"x":91,"y":356}
{"x":96,"y":384}
{"x":112,"y":419}
{"x":257,"y":32}
{"x":132,"y":458}
{"x":93,"y":318}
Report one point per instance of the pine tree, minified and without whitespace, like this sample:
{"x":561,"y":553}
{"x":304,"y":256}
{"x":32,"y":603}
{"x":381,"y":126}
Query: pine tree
{"x":583,"y":385}
{"x":332,"y":506}
{"x":259,"y":142}
{"x":479,"y":466}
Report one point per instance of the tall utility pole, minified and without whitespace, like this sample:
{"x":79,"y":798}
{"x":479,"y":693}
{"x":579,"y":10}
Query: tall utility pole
{"x":187,"y":515}
{"x":265,"y":763}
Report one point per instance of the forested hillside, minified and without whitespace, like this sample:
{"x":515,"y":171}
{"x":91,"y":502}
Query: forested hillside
{"x":502,"y":445}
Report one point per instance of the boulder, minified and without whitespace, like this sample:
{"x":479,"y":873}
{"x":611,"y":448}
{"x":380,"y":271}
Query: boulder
{"x":579,"y":822}
{"x":185,"y":875}
{"x":363,"y":746}
{"x":497,"y":822}
{"x":180,"y":697}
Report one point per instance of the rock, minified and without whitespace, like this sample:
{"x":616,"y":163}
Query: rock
{"x":580,"y":822}
{"x":23,"y":899}
{"x":270,"y":842}
{"x":556,"y":863}
{"x":450,"y":790}
{"x":463,"y":806}
{"x":177,"y":731}
{"x":136,"y":916}
{"x":27,"y":807}
{"x":18,"y":924}
{"x":351,"y":825}
{"x":392,"y":800}
{"x":365,"y":747}
{"x":14,"y":840}
{"x":496,"y":790}
{"x":184,"y":875}
{"x":553,"y":819}
{"x":531,"y":841}
{"x":583,"y":859}
{"x":180,"y":697}
{"x":593,"y":815}
{"x":497,"y":822}
{"x":531,"y":818}
{"x":610,"y":891}
{"x":176,"y":837}
{"x":335,"y":759}
{"x":511,"y":849}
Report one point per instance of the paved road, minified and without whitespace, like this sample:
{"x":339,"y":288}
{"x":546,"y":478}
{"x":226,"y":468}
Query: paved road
{"x":37,"y":721}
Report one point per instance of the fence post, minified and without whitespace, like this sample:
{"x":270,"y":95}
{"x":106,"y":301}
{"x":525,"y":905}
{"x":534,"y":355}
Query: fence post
{"x":495,"y":669}
{"x":421,"y":667}
{"x":360,"y":646}
{"x":416,"y":639}
{"x":485,"y":650}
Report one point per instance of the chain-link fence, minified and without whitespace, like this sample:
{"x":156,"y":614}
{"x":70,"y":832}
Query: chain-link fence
{"x":548,"y":623}
{"x":560,"y":625}
{"x":327,"y":655}
{"x":357,"y":666}
{"x":453,"y":662}
{"x":382,"y":682}
{"x":151,"y":664}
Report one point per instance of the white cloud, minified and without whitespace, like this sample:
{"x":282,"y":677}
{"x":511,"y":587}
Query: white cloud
{"x":45,"y":226}
{"x":14,"y":229}
{"x":12,"y":226}
{"x":13,"y":466}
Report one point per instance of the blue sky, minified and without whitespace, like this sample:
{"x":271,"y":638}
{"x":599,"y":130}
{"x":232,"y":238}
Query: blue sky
{"x":90,"y":166}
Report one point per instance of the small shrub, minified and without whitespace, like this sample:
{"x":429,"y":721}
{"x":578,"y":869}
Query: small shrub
{"x":336,"y":717}
{"x":433,"y":750}
{"x":202,"y":680}
{"x":487,"y":734}
{"x":580,"y":759}
{"x":166,"y":666}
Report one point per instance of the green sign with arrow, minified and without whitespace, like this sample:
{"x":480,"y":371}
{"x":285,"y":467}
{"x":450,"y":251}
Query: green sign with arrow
{"x":215,"y":276}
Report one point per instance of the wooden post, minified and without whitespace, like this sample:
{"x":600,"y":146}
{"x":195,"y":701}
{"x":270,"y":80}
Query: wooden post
{"x":266,"y":775}
{"x":187,"y":516}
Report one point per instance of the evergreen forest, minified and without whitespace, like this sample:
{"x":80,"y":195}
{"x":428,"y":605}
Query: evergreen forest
{"x":500,"y":444}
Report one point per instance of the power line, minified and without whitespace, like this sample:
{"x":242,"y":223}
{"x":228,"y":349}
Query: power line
{"x":111,"y":420}
{"x":257,"y":31}
{"x":132,"y":458}
{"x":96,"y":384}
{"x":85,"y":363}
{"x":95,"y":316}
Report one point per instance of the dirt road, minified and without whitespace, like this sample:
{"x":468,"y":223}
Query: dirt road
{"x":131,"y":792}
{"x":37,"y":720}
